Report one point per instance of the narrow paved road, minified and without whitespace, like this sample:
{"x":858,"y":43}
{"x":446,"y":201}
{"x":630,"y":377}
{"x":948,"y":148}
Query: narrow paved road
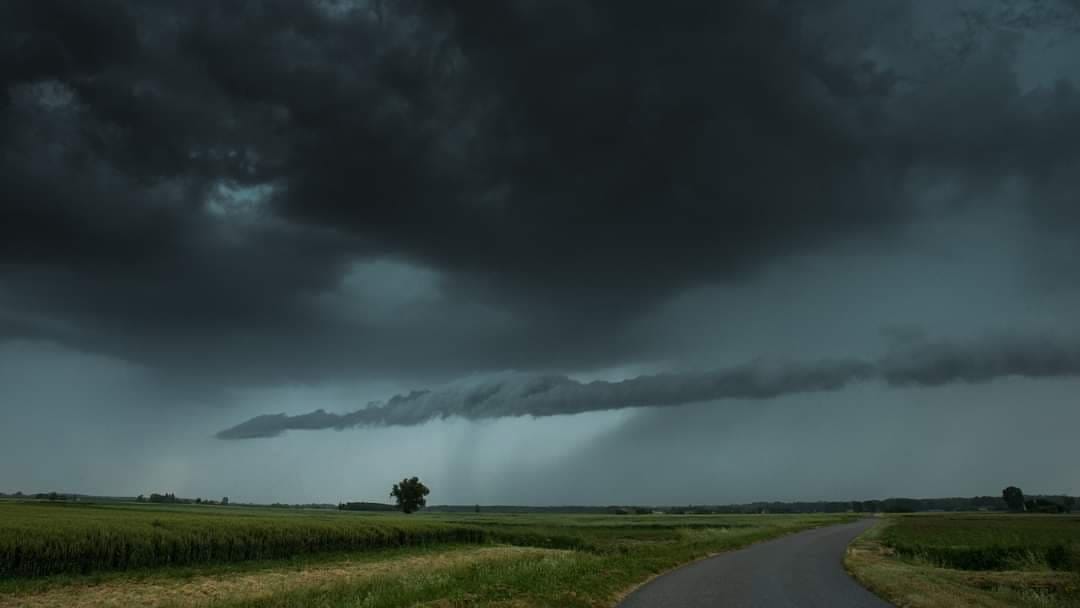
{"x":804,"y":570}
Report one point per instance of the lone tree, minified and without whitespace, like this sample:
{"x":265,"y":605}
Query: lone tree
{"x":410,"y":494}
{"x":1014,"y":498}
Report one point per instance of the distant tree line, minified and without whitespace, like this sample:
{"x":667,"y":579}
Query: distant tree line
{"x":313,"y":505}
{"x":167,"y":498}
{"x":410,"y":495}
{"x":170,"y":498}
{"x":520,"y":509}
{"x":54,"y":496}
{"x":366,"y":506}
{"x":1038,"y":504}
{"x":51,"y":496}
{"x":1015,"y":501}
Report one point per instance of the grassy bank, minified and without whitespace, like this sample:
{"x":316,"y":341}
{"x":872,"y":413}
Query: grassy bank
{"x":946,"y":561}
{"x":170,"y":556}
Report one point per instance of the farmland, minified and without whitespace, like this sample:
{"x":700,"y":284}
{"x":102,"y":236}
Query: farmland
{"x":114,"y":555}
{"x":43,"y":539}
{"x":972,"y":560}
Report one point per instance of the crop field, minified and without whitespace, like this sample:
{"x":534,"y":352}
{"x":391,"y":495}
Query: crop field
{"x":989,"y":542}
{"x":972,"y":560}
{"x":44,"y":539}
{"x":150,"y":555}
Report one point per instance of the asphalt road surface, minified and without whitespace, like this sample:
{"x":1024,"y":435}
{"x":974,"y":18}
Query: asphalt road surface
{"x":803,"y":570}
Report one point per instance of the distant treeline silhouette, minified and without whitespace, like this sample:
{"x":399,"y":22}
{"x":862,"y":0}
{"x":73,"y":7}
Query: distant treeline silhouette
{"x":366,"y":506}
{"x":1032,"y":503}
{"x":170,"y":498}
{"x":1047,"y":503}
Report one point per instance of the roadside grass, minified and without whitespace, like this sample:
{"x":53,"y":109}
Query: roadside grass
{"x":506,"y":560}
{"x":973,"y":560}
{"x":561,"y":579}
{"x":572,"y":579}
{"x":207,"y":589}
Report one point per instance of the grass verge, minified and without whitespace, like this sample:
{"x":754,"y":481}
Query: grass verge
{"x":260,"y":585}
{"x":911,"y":579}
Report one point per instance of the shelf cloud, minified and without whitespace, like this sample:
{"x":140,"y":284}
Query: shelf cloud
{"x":924,"y":364}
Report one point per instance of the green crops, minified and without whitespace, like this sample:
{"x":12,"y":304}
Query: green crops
{"x":43,"y":539}
{"x":988,"y":542}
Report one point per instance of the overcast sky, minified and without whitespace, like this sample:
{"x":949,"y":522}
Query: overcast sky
{"x":569,"y":251}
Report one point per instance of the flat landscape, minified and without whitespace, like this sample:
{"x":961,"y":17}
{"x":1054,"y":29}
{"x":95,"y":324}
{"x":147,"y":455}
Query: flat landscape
{"x":122,"y":555}
{"x":539,"y":303}
{"x":56,"y":554}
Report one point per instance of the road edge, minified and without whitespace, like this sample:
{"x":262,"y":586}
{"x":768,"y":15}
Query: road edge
{"x":622,"y":595}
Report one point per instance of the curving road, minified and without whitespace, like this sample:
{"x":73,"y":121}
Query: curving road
{"x":804,"y":570}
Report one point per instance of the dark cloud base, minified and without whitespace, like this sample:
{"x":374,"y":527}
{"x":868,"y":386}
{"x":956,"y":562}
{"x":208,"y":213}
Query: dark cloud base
{"x":180,"y":181}
{"x":920,"y":364}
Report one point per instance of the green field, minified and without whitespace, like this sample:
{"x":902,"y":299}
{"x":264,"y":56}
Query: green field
{"x":989,"y":542}
{"x":105,"y":555}
{"x":42,"y":539}
{"x":945,"y":560}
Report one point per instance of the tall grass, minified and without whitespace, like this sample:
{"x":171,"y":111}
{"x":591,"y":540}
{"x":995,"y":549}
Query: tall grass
{"x":39,"y":540}
{"x":988,"y":542}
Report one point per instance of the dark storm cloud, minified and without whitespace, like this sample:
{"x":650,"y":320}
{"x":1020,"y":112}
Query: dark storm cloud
{"x":918,"y":363}
{"x":524,"y":395}
{"x":602,"y":152}
{"x":938,"y":363}
{"x":181,"y":181}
